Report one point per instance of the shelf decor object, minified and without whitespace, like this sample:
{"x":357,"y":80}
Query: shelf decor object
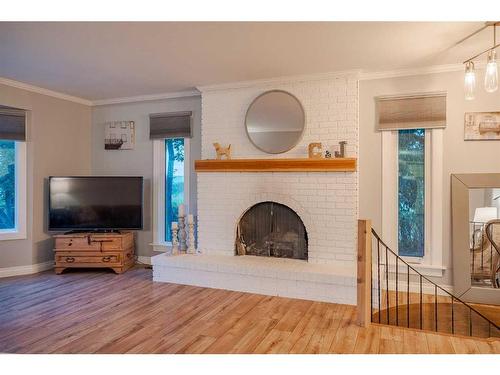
{"x":277,"y":165}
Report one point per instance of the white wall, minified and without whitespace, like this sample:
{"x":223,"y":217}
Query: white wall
{"x":139,"y":161}
{"x":58,"y":144}
{"x":326,"y":202}
{"x":459,"y":156}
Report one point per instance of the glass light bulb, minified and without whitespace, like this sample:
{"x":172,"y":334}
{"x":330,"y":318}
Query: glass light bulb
{"x":469,"y":82}
{"x":491,"y":76}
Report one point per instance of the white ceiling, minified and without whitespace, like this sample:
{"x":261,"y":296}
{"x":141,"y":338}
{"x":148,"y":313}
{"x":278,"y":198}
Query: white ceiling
{"x":110,"y":60}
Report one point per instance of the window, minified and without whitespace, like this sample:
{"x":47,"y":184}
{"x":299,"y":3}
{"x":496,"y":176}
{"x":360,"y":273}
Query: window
{"x":7,"y":185}
{"x":411,"y":192}
{"x":12,"y":190}
{"x":412,"y":196}
{"x":170,"y":186}
{"x":174,"y":182}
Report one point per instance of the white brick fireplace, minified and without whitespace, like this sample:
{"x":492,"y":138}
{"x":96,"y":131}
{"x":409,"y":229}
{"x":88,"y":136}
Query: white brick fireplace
{"x":325,"y":201}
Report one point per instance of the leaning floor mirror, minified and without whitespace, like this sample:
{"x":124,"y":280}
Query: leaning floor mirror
{"x":476,"y":236}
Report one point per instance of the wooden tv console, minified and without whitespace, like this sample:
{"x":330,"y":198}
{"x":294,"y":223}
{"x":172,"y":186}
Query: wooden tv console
{"x":94,"y":250}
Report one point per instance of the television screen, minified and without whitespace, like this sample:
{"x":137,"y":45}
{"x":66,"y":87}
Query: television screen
{"x":95,"y":203}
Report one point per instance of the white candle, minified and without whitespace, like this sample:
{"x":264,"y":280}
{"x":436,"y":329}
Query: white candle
{"x":174,"y":225}
{"x":182,"y":211}
{"x":190,"y":219}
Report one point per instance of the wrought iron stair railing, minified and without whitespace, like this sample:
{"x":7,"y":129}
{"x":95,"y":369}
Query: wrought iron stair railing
{"x":396,"y":293}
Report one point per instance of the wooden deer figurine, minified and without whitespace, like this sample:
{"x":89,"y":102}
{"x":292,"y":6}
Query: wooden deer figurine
{"x":222,"y":151}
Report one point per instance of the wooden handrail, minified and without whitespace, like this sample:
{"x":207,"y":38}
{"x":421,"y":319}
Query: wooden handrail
{"x":364,"y":272}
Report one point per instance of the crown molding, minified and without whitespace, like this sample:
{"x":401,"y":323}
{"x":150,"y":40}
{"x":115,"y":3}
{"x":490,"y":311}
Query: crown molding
{"x":41,"y":90}
{"x":435,"y":69}
{"x":354,"y":73}
{"x":146,"y":98}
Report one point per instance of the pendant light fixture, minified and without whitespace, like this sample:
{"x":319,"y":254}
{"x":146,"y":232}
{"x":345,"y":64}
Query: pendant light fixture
{"x":470,"y":81}
{"x":491,"y":74}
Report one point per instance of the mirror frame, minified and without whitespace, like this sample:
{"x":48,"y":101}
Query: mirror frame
{"x":303,"y":115}
{"x":460,"y":185}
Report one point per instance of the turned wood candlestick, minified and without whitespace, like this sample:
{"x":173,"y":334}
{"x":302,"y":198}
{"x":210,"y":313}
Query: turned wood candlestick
{"x":191,"y":248}
{"x":175,"y":240}
{"x":182,"y":234}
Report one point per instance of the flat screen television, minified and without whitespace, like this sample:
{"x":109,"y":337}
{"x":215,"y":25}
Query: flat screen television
{"x":95,"y":203}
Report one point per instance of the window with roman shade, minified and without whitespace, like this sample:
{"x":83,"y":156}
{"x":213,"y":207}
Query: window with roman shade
{"x":412,"y":128}
{"x":426,"y":111}
{"x":171,"y":133}
{"x":170,"y":125}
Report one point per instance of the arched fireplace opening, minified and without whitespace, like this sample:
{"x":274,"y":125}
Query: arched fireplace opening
{"x":271,"y":229}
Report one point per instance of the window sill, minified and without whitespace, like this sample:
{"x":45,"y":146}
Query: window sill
{"x":8,"y":235}
{"x":424,"y":269}
{"x":162,"y":247}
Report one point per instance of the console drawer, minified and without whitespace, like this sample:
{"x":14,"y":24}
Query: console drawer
{"x":76,"y":243}
{"x":73,"y":259}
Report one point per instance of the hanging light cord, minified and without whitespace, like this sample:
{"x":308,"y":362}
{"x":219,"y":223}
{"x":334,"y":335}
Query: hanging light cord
{"x":495,"y":45}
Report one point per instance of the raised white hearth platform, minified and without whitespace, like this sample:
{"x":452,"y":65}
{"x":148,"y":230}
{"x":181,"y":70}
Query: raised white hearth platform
{"x":270,"y":276}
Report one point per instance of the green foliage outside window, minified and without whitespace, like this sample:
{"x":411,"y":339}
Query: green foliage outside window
{"x":411,"y":192}
{"x":174,"y":182}
{"x":7,"y":184}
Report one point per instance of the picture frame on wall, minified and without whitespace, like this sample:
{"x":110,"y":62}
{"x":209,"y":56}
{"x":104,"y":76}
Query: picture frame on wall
{"x":482,"y":126}
{"x":119,"y":135}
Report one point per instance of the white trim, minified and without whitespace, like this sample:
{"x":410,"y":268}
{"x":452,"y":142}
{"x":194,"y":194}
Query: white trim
{"x":354,"y":73}
{"x":434,"y":69}
{"x":21,"y":214}
{"x":424,"y":269}
{"x":158,"y":189}
{"x":146,"y":98}
{"x":389,"y":188}
{"x":144,"y":259}
{"x":26,"y":270}
{"x":42,"y":91}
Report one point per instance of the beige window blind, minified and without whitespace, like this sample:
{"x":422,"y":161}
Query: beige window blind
{"x":12,"y":124}
{"x":170,"y":125}
{"x":411,"y":112}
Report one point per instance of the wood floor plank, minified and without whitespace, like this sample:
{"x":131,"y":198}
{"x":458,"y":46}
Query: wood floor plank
{"x":99,"y":312}
{"x":439,"y":344}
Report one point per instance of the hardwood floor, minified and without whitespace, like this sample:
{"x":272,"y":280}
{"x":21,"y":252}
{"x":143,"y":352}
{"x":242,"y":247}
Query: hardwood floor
{"x":100,"y":312}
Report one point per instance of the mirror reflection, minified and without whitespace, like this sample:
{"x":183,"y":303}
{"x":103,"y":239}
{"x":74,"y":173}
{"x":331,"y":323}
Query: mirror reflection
{"x":484,"y":234}
{"x":275,"y":121}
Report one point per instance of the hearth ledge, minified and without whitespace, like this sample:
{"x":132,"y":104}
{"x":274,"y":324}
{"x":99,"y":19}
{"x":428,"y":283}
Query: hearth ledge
{"x":269,"y":276}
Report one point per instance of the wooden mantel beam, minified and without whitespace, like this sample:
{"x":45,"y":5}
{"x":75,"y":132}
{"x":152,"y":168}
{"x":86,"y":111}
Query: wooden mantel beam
{"x":277,"y":165}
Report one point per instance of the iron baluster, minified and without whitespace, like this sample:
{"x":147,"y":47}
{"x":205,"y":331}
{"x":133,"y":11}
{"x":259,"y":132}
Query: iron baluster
{"x":397,"y":304}
{"x":421,"y":316}
{"x":452,"y":317}
{"x":387,"y":285}
{"x":470,"y":321}
{"x":378,"y":277}
{"x":436,"y":307}
{"x":408,"y":298}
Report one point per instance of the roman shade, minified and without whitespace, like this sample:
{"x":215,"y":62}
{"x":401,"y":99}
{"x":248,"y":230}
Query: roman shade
{"x":12,"y":124}
{"x":170,"y":125}
{"x":411,"y":112}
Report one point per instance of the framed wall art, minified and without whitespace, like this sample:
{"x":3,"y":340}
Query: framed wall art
{"x":482,"y":126}
{"x":119,"y":135}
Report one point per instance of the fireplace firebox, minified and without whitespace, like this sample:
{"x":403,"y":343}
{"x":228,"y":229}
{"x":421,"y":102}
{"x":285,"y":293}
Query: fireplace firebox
{"x":271,"y":229}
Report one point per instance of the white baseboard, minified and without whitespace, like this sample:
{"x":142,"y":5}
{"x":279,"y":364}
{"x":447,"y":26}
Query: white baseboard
{"x":144,"y":259}
{"x":26,"y":270}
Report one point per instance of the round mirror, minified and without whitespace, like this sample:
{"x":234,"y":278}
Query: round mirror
{"x":275,"y":121}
